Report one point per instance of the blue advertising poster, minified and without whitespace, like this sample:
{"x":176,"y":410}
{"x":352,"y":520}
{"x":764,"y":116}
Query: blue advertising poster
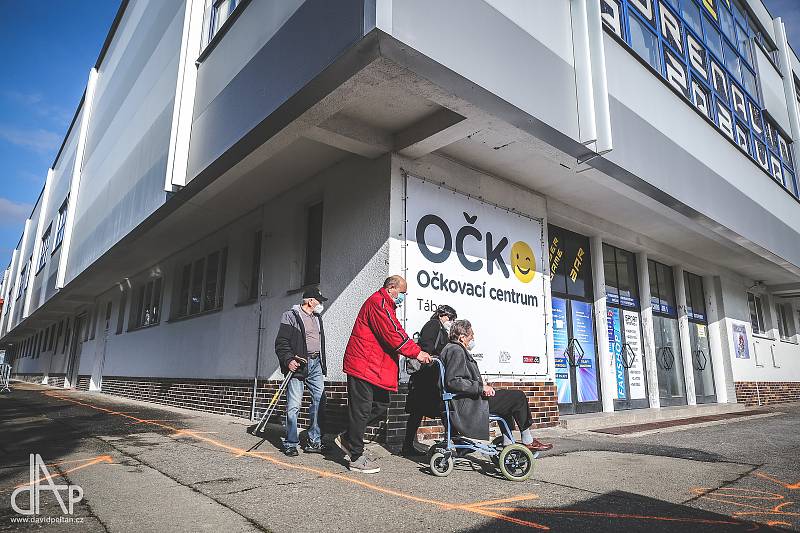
{"x":740,"y":343}
{"x":560,"y":341}
{"x":615,"y":344}
{"x":583,"y":331}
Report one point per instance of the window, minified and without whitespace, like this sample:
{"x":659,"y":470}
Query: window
{"x":756,"y":314}
{"x":622,"y":285}
{"x":23,"y":280}
{"x":695,"y":298}
{"x":45,"y":251}
{"x":570,"y":263}
{"x":147,"y":310}
{"x":202,"y":285}
{"x":691,"y":14}
{"x":61,"y":223}
{"x":313,"y":245}
{"x":66,"y":336}
{"x":123,"y":303}
{"x":644,"y":42}
{"x":221,"y":10}
{"x":662,"y":289}
{"x":52,"y":343}
{"x":785,"y":321}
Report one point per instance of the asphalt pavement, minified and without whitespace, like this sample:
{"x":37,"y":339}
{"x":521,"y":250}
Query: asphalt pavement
{"x":144,"y":467}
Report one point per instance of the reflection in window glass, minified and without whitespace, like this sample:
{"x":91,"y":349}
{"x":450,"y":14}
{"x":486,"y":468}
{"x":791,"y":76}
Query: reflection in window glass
{"x":726,"y":21}
{"x":644,"y":42}
{"x":691,"y":14}
{"x":713,"y":38}
{"x":744,"y":45}
{"x":749,"y":80}
{"x":732,"y":62}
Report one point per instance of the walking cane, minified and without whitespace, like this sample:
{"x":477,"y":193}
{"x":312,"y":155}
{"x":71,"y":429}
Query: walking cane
{"x":273,"y":403}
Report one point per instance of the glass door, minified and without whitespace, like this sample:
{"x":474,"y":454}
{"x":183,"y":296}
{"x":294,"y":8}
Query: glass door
{"x":577,"y":379}
{"x":669,"y":358}
{"x":625,"y":328}
{"x":704,"y":389}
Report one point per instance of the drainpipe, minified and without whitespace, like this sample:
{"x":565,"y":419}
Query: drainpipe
{"x":260,"y":318}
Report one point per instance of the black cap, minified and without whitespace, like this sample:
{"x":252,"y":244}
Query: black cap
{"x":313,"y":292}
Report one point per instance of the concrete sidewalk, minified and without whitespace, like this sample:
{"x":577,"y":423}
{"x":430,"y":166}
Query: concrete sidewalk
{"x":144,"y":467}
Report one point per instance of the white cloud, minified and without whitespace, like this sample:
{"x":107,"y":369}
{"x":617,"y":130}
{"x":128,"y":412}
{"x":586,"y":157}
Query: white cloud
{"x":12,"y":213}
{"x":38,"y":140}
{"x":37,"y":103}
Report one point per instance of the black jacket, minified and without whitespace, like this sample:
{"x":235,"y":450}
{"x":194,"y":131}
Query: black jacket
{"x":424,"y":396}
{"x":469,"y":413}
{"x":433,"y":337}
{"x":291,"y":341}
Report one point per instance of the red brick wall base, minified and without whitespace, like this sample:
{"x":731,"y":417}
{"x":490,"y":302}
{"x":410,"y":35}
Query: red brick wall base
{"x":56,"y":380}
{"x":234,"y":397}
{"x":542,"y":398}
{"x":28,"y":378}
{"x":767,"y":392}
{"x":83,"y":383}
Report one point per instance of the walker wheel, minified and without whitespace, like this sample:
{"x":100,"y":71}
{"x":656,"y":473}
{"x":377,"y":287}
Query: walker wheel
{"x":516,"y":462}
{"x":441,"y":464}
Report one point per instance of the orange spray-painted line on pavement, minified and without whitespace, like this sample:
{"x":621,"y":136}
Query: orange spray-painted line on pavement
{"x":479,"y":508}
{"x":240,"y":452}
{"x":98,"y":459}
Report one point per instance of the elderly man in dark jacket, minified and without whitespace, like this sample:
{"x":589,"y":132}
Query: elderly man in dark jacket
{"x":300,"y":347}
{"x":474,"y":399}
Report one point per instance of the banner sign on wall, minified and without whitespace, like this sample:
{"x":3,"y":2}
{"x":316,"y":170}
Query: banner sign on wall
{"x":633,"y":338}
{"x":583,"y":332}
{"x":740,"y":343}
{"x":484,"y":261}
{"x":615,"y":345}
{"x":560,"y":344}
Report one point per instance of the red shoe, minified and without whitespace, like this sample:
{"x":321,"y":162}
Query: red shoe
{"x":537,"y":446}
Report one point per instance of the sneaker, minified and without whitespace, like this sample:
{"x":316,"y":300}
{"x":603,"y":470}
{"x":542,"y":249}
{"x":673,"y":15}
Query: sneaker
{"x":339,"y":441}
{"x":290,"y":451}
{"x":365,"y":465}
{"x":538,"y":446}
{"x":313,"y":447}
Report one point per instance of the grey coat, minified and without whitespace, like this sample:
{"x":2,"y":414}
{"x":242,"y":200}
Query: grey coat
{"x":469,"y":414}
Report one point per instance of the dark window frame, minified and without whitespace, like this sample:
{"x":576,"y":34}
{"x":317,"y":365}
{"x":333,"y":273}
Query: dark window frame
{"x":193,"y":282}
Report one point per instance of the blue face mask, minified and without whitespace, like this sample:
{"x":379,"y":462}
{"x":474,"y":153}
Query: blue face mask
{"x":401,"y":297}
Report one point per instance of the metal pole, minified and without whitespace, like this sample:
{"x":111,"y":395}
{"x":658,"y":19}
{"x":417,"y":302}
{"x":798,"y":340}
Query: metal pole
{"x":260,"y":316}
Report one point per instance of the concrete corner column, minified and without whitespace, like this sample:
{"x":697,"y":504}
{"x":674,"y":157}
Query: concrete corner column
{"x":649,"y":338}
{"x":604,"y":361}
{"x":718,"y":339}
{"x":683,"y":330}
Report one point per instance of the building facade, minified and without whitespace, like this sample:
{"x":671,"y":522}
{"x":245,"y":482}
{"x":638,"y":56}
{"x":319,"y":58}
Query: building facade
{"x":605,"y":188}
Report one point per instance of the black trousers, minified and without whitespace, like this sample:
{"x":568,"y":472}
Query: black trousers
{"x":366,"y":403}
{"x":512,"y":406}
{"x":412,"y":425}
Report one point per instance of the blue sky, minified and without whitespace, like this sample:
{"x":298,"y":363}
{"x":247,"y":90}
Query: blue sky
{"x":47,"y":50}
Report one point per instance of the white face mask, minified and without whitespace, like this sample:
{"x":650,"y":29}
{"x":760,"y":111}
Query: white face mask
{"x":447,"y":325}
{"x":471,"y":345}
{"x":319,"y":309}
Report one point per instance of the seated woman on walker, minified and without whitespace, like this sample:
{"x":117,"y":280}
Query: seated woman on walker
{"x":474,"y":399}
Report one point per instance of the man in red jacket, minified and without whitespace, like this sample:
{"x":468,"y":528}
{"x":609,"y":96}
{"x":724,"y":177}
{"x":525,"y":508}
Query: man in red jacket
{"x":372,"y":368}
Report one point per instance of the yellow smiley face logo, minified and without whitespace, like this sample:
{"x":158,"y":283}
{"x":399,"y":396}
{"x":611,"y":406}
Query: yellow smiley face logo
{"x":523,"y":263}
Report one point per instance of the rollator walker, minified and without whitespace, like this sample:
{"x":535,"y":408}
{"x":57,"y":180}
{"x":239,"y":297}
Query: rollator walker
{"x":514,"y":461}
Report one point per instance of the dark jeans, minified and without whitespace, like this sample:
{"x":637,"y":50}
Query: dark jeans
{"x":366,"y":404}
{"x":512,"y":406}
